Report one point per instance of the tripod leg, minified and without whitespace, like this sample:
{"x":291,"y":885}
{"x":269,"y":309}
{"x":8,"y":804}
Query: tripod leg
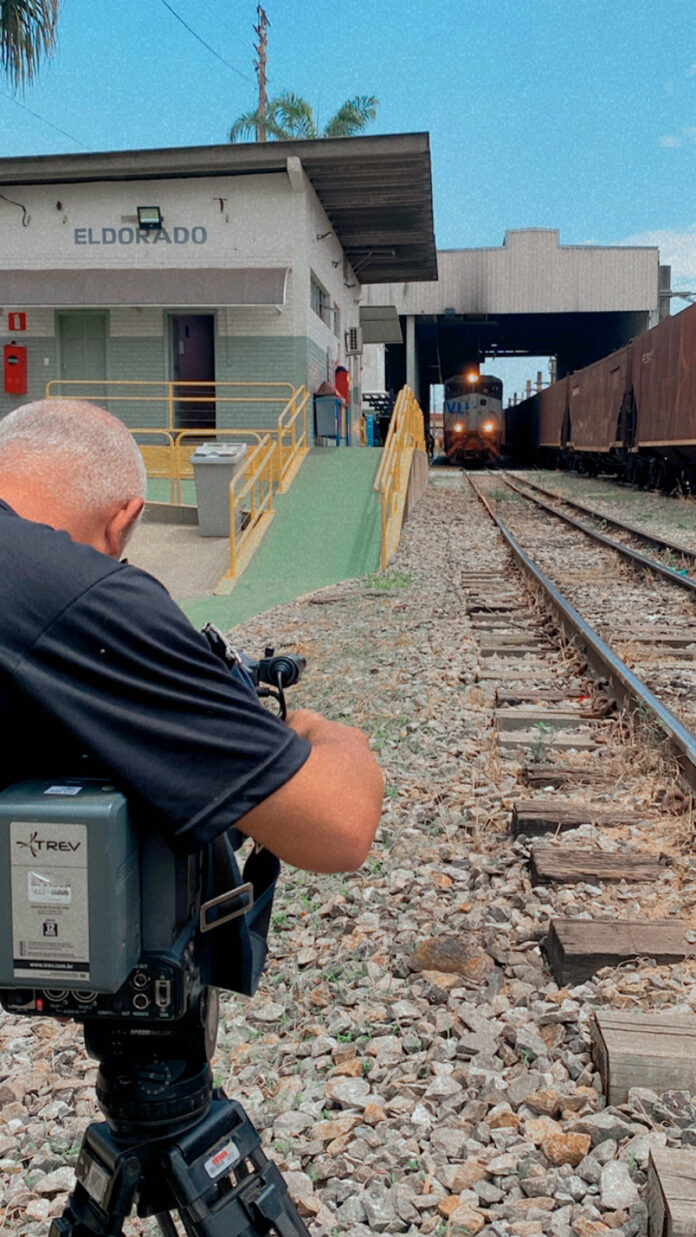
{"x":223,"y":1184}
{"x":108,"y":1178}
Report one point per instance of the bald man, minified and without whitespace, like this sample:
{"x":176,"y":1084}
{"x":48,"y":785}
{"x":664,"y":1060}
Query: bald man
{"x":100,"y":670}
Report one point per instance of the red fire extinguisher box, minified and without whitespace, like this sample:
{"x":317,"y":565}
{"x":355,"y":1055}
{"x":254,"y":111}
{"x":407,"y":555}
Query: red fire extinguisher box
{"x":15,"y":369}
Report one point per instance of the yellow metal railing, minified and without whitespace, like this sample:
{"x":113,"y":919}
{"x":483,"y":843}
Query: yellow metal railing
{"x":251,"y":509}
{"x":171,"y":457}
{"x":159,"y":458}
{"x":186,"y":441}
{"x":183,"y":405}
{"x":406,"y":436}
{"x":292,"y":437}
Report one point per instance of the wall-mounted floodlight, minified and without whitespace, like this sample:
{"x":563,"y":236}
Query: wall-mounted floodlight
{"x":149,"y":218}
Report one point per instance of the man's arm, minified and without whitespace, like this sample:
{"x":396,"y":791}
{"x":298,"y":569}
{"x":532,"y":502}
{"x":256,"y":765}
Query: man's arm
{"x":325,"y":817}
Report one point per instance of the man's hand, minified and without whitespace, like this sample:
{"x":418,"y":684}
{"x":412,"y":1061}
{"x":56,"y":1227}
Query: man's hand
{"x":324,"y":818}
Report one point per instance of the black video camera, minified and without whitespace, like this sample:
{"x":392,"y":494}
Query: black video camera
{"x":101,"y":924}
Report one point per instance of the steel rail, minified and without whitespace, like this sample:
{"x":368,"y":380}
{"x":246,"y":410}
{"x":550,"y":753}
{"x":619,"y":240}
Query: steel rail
{"x":661,"y":543}
{"x":626,"y":687}
{"x":635,"y":556}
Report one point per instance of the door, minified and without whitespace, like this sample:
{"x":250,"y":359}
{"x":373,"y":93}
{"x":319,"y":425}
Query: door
{"x":82,"y":352}
{"x":193,"y":361}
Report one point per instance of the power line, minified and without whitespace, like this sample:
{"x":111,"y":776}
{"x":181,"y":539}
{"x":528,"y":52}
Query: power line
{"x":207,"y":45}
{"x":45,"y":121}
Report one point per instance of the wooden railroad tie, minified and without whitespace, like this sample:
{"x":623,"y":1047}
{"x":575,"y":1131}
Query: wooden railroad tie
{"x":511,"y":673}
{"x":565,"y":775}
{"x":493,"y":605}
{"x":666,"y":636}
{"x":633,"y":1049}
{"x":671,"y":1193}
{"x":514,"y":645}
{"x":570,"y":865}
{"x":576,"y":741}
{"x":551,"y":816}
{"x":577,"y":948}
{"x":552,"y":720}
{"x":507,"y":697}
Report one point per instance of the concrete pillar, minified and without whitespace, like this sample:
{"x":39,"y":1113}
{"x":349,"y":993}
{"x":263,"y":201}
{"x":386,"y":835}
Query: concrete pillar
{"x":411,"y":354}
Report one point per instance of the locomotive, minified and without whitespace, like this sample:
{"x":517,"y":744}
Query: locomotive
{"x":632,"y":413}
{"x":473,"y":418}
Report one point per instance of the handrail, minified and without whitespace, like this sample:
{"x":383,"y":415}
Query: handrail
{"x":406,"y":435}
{"x":153,"y":453}
{"x":171,"y":394}
{"x":183,"y":468}
{"x":251,"y":508}
{"x":290,"y":458}
{"x":288,"y":428}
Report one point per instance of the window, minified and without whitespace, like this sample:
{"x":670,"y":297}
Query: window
{"x":319,"y":301}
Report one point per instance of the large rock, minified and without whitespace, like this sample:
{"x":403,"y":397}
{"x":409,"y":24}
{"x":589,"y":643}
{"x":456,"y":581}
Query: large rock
{"x":566,"y":1147}
{"x":617,"y":1191}
{"x":465,"y":1221}
{"x":452,"y":954}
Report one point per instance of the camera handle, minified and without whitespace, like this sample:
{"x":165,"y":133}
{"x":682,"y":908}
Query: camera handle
{"x":172,"y":1142}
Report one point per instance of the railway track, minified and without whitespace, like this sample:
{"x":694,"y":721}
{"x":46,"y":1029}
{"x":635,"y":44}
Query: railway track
{"x":567,"y":739}
{"x":638,"y":623}
{"x":672,"y":554}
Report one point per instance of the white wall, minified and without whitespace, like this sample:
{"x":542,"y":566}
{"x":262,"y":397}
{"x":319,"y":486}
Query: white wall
{"x":373,"y":378}
{"x":531,"y":273}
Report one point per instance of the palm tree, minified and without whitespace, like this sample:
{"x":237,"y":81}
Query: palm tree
{"x":289,"y":117}
{"x":28,"y":31}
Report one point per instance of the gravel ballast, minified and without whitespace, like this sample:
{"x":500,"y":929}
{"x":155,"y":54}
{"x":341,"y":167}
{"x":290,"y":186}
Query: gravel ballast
{"x":409,"y":1061}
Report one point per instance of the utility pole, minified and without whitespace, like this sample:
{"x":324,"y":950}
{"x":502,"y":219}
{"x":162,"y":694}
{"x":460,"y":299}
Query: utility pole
{"x":260,"y":66}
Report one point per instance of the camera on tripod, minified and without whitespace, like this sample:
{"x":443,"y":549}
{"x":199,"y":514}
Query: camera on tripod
{"x":100,"y":921}
{"x":103,"y":923}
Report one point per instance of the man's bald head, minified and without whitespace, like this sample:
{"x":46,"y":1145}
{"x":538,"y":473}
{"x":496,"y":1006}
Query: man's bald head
{"x":55,"y":438}
{"x":72,"y":465}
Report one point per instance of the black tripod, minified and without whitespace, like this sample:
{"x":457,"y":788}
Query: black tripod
{"x":171,"y":1142}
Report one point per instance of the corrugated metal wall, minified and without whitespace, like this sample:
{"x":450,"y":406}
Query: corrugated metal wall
{"x":531,"y":273}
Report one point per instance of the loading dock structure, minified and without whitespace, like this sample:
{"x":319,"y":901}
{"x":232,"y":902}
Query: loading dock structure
{"x":530,"y":296}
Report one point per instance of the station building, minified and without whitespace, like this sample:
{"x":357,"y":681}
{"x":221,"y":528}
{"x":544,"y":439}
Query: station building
{"x":214,"y":264}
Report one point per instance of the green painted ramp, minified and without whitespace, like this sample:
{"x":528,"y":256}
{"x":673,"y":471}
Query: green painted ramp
{"x":326,"y":529}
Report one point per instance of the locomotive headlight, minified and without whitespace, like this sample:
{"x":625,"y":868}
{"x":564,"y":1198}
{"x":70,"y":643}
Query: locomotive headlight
{"x":472,"y":377}
{"x":488,"y":427}
{"x":458,"y":427}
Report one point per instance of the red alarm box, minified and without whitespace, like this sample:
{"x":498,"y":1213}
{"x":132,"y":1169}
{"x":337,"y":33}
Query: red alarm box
{"x":15,"y":369}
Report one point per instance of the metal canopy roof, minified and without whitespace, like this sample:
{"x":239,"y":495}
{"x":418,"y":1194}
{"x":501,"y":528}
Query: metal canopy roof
{"x":376,"y":191}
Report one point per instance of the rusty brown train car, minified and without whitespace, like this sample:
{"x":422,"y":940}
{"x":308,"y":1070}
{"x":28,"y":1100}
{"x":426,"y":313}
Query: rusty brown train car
{"x":632,"y":412}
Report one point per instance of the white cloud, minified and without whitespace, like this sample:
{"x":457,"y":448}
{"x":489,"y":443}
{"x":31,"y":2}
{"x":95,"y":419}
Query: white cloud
{"x":687,"y":133}
{"x":677,"y":249}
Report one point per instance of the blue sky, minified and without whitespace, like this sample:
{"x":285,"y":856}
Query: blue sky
{"x":574,"y":114}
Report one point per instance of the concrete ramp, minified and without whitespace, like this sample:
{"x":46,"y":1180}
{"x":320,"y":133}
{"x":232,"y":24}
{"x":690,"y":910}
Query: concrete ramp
{"x":326,"y":529}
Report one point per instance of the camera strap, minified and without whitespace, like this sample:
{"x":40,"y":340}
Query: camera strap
{"x":238,"y":944}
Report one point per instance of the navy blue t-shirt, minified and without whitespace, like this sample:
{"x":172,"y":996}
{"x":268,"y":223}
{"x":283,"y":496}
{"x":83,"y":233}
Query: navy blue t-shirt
{"x":100,"y":670}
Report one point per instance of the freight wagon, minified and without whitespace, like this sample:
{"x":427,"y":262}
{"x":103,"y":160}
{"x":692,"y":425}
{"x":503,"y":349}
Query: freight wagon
{"x":632,"y":412}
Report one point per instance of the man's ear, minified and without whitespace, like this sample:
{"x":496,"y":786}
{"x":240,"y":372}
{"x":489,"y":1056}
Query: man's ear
{"x":121,"y":525}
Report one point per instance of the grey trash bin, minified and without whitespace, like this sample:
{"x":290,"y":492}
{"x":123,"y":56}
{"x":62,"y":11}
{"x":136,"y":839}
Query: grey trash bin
{"x":215,"y":464}
{"x":326,"y":417}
